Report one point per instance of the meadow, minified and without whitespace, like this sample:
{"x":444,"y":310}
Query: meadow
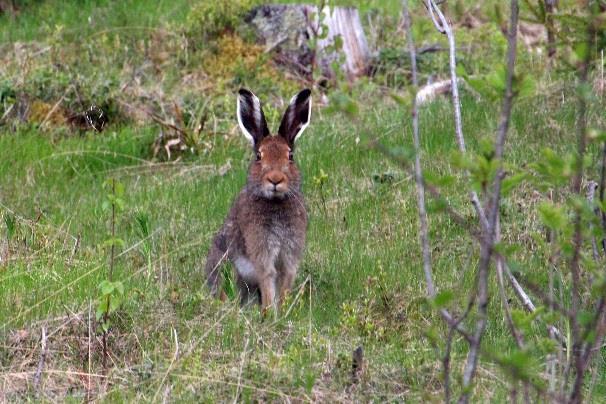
{"x":360,"y":282}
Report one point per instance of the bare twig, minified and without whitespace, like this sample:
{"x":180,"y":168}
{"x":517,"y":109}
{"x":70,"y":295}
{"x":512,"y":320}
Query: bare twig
{"x":7,"y":112}
{"x":446,"y":359}
{"x":112,"y":259}
{"x":592,"y":186}
{"x":158,"y":119}
{"x":517,"y":335}
{"x":424,"y":232}
{"x":515,"y":332}
{"x":444,"y":27}
{"x":55,"y":106}
{"x":43,"y":352}
{"x":88,"y":381}
{"x":549,"y":25}
{"x":170,"y":366}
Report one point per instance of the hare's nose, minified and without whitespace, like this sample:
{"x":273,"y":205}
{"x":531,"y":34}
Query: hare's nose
{"x":275,"y":178}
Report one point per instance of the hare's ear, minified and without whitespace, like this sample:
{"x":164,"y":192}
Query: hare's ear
{"x":251,"y":118}
{"x":296,"y":118}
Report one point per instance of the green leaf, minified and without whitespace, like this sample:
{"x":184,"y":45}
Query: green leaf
{"x":436,"y":205}
{"x":106,"y":287}
{"x":100,"y":312}
{"x":511,"y":182}
{"x":553,"y":216}
{"x":581,"y":49}
{"x":119,"y":287}
{"x":341,"y":102}
{"x":461,"y":72}
{"x":338,"y":42}
{"x":443,"y":298}
{"x":119,"y":189}
{"x":461,"y":160}
{"x":525,"y":86}
{"x":496,"y":79}
{"x":105,"y":325}
{"x":118,"y":242}
{"x":114,"y":304}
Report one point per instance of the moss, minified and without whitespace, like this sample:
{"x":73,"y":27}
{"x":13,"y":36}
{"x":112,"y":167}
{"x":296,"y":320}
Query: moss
{"x":237,"y":63}
{"x":40,"y":112}
{"x":208,"y":19}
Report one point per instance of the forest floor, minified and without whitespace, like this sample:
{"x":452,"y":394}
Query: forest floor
{"x":360,"y":282}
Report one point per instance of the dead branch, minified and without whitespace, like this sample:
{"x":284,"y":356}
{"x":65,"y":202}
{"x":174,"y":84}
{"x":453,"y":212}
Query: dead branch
{"x":424,"y":232}
{"x":444,"y":27}
{"x":43,"y":353}
{"x":156,"y":118}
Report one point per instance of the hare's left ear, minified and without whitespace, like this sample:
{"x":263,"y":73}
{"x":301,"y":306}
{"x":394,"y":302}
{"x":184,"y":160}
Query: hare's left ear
{"x":296,"y":118}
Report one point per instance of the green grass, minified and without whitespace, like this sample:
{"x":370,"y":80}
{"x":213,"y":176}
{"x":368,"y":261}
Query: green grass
{"x":361,"y":251}
{"x":361,"y":280}
{"x":90,"y":18}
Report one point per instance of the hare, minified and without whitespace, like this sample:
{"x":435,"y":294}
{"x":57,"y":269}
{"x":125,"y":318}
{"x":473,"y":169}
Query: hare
{"x":263,"y":235}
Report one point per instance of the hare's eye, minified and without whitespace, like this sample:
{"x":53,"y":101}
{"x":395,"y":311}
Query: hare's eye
{"x":258,"y":156}
{"x":290,"y":155}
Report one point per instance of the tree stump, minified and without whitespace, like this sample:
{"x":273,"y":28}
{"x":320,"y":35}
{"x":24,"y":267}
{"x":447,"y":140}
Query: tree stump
{"x":302,"y":39}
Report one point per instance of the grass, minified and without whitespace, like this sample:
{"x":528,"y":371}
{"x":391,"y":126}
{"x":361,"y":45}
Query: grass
{"x":360,"y":283}
{"x":361,"y":251}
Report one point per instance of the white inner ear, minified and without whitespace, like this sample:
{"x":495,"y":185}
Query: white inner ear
{"x":306,"y":124}
{"x":256,"y":115}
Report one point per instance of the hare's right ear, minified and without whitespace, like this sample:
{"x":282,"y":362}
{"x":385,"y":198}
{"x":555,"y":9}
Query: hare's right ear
{"x":296,"y":118}
{"x":251,"y":118}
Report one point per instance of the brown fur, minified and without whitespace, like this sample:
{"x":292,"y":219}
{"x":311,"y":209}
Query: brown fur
{"x":264,"y":232}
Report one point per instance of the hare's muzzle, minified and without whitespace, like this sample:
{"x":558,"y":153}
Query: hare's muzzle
{"x":275,"y":184}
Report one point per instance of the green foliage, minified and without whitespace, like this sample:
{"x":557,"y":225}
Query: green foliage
{"x":362,"y":260}
{"x":207,"y":19}
{"x":111,"y":292}
{"x":11,"y":225}
{"x":109,"y":301}
{"x":229,"y":284}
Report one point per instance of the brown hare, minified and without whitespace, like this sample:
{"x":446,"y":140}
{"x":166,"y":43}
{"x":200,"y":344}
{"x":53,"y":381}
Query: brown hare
{"x":264,"y":233}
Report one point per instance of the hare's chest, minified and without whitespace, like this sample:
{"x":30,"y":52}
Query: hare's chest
{"x":281,"y":237}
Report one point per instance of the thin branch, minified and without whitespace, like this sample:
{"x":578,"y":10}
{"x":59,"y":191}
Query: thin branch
{"x":591,"y":187}
{"x":515,"y":332}
{"x":488,"y":242}
{"x":603,"y":192}
{"x":549,"y":25}
{"x":444,"y":27}
{"x":450,"y":320}
{"x":576,"y":395}
{"x":518,"y":337}
{"x":424,"y":232}
{"x":446,"y":359}
{"x":43,"y":352}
